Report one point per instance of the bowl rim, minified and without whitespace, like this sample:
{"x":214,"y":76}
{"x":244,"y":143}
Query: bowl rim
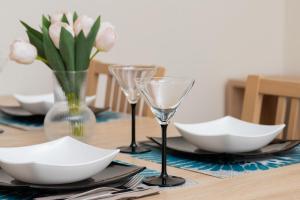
{"x":277,"y":128}
{"x":110,"y":153}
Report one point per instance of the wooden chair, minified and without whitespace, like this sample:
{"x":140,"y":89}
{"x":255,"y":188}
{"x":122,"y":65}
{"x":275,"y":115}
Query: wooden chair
{"x":108,"y":93}
{"x":287,"y":108}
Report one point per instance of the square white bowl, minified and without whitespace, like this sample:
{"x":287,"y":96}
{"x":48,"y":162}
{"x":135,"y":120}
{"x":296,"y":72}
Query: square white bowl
{"x":229,"y":135}
{"x":41,"y":104}
{"x":65,"y":160}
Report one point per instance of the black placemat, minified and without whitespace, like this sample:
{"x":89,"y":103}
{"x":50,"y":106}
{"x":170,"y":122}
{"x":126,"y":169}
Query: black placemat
{"x":181,"y":146}
{"x":113,"y":175}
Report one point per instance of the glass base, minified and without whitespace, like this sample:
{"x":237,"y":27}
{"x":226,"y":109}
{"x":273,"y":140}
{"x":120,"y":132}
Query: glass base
{"x":169,"y":181}
{"x":134,"y":150}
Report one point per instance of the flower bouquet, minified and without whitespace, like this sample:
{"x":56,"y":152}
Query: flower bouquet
{"x":66,"y":43}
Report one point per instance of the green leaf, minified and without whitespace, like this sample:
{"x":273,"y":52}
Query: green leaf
{"x":84,"y":46}
{"x":55,"y":61}
{"x":34,"y":32}
{"x":35,"y":41}
{"x":75,"y":16}
{"x":64,"y":19}
{"x":80,"y":51}
{"x":94,"y":30}
{"x":67,"y":49}
{"x":35,"y":38}
{"x":45,"y":22}
{"x":52,"y":54}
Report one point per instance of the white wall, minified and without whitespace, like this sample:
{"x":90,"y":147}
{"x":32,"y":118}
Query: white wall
{"x":292,"y":44}
{"x":211,"y":40}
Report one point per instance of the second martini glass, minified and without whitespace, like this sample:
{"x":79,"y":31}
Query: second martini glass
{"x":164,"y":95}
{"x":126,"y":76}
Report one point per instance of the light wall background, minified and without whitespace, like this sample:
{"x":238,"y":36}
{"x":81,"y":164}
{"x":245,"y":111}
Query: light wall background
{"x":210,"y":40}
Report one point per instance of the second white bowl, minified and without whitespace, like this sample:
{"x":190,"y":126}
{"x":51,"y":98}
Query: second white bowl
{"x":229,"y":135}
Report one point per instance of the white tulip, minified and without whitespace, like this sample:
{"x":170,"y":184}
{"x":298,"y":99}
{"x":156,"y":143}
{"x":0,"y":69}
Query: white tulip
{"x":22,"y":52}
{"x":56,"y":17}
{"x":55,"y":29}
{"x":106,"y":37}
{"x":83,"y":23}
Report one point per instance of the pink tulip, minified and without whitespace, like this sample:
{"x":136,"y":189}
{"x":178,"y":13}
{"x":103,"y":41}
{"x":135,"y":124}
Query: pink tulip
{"x":55,"y":29}
{"x":56,"y":17}
{"x":83,"y":23}
{"x":106,"y":37}
{"x":22,"y":52}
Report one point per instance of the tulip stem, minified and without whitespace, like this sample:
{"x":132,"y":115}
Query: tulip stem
{"x":42,"y":59}
{"x":95,"y":53}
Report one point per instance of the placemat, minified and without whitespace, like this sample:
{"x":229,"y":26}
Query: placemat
{"x":31,"y":193}
{"x":36,"y":122}
{"x":225,"y":167}
{"x":151,"y":172}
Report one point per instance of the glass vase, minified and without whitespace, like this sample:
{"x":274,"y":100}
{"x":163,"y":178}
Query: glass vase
{"x":69,"y":116}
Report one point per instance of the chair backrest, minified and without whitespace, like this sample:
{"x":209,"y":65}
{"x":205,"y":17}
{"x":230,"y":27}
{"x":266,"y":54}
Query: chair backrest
{"x":288,"y":105}
{"x":108,"y":93}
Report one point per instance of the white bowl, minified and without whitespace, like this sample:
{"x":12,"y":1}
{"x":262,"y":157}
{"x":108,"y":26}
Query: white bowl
{"x":41,"y":104}
{"x":65,"y":160}
{"x":229,"y":135}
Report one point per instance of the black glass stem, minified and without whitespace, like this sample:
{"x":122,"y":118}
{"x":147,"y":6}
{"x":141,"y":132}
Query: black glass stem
{"x":164,"y":173}
{"x":164,"y":180}
{"x":133,"y":144}
{"x":133,"y":148}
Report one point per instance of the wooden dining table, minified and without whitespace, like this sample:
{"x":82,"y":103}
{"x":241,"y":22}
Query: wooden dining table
{"x":281,"y":183}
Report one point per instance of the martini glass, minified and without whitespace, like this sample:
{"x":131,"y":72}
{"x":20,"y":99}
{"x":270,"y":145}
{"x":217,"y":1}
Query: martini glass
{"x":126,"y":76}
{"x":164,"y":95}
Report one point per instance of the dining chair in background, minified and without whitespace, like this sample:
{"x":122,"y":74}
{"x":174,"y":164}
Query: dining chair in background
{"x":287,"y":93}
{"x":108,"y":93}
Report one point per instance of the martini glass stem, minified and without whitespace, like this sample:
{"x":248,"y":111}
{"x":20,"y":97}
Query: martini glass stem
{"x":164,"y":173}
{"x":133,"y":144}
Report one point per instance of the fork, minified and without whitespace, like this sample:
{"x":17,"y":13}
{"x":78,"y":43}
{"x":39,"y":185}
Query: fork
{"x":129,"y":186}
{"x":132,"y":183}
{"x":134,"y":193}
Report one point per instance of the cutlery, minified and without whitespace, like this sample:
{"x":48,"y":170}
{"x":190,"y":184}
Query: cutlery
{"x":135,"y":193}
{"x":68,"y":195}
{"x":132,"y":183}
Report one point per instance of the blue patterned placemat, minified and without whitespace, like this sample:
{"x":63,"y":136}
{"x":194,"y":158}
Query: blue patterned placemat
{"x":225,"y":167}
{"x":36,"y":122}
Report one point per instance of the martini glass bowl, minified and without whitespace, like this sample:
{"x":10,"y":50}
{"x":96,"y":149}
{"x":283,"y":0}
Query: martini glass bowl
{"x":164,"y":95}
{"x":126,"y":76}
